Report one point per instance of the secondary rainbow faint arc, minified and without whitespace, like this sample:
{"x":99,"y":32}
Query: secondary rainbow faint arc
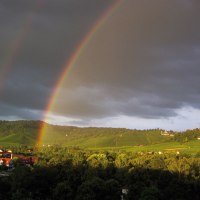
{"x":74,"y":57}
{"x":18,"y":43}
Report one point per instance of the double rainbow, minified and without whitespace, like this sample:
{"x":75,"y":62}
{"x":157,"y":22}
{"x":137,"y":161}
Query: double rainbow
{"x":71,"y":62}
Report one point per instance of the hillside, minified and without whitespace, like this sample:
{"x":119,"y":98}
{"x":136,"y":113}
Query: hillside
{"x":102,"y":137}
{"x":19,"y":132}
{"x":25,"y":132}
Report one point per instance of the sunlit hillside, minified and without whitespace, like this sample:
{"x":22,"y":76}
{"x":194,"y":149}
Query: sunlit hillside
{"x":25,"y":132}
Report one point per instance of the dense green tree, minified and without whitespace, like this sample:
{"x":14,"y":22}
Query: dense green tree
{"x":92,"y":189}
{"x":63,"y":191}
{"x":113,"y":190}
{"x":74,"y":173}
{"x":150,"y":193}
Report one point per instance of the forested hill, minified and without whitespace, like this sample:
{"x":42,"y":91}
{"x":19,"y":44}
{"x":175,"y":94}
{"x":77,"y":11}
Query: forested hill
{"x":25,"y":132}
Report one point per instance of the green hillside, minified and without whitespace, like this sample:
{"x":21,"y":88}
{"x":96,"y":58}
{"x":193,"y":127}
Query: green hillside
{"x":101,"y":137}
{"x":191,"y":147}
{"x":25,"y":132}
{"x":18,"y":132}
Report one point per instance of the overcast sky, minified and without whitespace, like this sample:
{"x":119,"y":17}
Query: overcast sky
{"x":140,"y":70}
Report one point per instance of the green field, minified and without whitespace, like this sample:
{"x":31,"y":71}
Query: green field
{"x":192,"y":147}
{"x":25,"y":133}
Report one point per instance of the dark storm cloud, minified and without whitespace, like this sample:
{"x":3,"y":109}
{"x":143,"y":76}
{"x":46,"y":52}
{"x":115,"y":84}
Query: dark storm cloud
{"x":48,"y":30}
{"x":145,"y":63}
{"x":16,"y":113}
{"x":37,"y":38}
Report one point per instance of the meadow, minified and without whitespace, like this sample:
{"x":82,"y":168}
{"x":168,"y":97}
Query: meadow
{"x":25,"y":133}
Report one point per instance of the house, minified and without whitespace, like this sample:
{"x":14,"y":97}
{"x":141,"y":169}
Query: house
{"x":166,"y":133}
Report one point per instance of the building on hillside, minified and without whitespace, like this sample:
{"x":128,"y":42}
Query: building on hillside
{"x":6,"y":158}
{"x":166,"y":133}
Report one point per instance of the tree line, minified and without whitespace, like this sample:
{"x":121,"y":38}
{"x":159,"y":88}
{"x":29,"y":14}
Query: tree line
{"x":73,"y":173}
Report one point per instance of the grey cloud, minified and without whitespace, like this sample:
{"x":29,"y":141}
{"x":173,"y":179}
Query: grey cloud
{"x":144,"y":62}
{"x":17,"y":113}
{"x":29,"y":96}
{"x":37,"y":38}
{"x":147,"y":52}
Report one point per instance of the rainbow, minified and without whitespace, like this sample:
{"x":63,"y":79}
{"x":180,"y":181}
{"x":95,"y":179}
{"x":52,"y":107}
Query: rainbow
{"x":73,"y":59}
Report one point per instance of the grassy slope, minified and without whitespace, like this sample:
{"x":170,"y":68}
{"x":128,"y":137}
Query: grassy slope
{"x":18,"y":132}
{"x":25,"y":132}
{"x":192,"y":147}
{"x":102,"y":137}
{"x":17,"y":139}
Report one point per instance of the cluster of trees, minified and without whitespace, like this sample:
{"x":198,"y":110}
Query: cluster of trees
{"x":73,"y":173}
{"x":187,"y":135}
{"x":22,"y":126}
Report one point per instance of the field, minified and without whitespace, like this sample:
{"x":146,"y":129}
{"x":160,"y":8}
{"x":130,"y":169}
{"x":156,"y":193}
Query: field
{"x":192,"y":147}
{"x":25,"y":133}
